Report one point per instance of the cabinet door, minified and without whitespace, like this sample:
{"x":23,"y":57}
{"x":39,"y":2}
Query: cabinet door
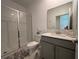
{"x":63,"y":53}
{"x":47,"y":51}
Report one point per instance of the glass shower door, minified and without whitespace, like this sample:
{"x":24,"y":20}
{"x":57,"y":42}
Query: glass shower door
{"x":9,"y":34}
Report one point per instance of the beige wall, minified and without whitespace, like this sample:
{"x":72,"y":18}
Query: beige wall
{"x":39,"y":13}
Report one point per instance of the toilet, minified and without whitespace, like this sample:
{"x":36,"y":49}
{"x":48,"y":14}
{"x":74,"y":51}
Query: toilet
{"x":35,"y":55}
{"x":33,"y":50}
{"x":32,"y":46}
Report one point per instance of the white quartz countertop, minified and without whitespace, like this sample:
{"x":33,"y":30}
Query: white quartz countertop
{"x":60,"y":36}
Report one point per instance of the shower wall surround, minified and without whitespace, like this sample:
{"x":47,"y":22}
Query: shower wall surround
{"x":14,"y":18}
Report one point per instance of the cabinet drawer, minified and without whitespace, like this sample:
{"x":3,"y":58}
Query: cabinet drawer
{"x":59,"y":42}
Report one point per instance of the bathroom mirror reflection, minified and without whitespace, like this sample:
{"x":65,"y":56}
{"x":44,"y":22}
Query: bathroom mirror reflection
{"x":60,"y":18}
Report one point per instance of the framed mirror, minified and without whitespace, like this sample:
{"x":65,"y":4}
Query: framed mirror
{"x":60,"y":18}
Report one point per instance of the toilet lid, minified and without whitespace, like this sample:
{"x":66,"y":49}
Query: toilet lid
{"x":33,"y":43}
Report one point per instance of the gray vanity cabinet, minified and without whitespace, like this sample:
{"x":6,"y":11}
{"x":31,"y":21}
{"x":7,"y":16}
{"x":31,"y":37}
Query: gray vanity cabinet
{"x":62,"y":53}
{"x":52,"y":48}
{"x":47,"y":51}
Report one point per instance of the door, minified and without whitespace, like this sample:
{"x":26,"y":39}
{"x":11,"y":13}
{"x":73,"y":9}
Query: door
{"x":63,"y":53}
{"x":47,"y":51}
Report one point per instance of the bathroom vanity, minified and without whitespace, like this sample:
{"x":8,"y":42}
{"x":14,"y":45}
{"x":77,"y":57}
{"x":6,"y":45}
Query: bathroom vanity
{"x":57,"y":46}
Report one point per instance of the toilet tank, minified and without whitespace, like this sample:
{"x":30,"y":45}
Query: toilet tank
{"x":37,"y":37}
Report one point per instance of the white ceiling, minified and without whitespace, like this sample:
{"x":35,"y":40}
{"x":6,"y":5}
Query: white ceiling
{"x":24,"y":3}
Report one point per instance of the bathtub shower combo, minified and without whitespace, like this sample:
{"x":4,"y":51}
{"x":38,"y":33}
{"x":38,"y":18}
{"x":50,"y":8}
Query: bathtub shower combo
{"x":17,"y":40}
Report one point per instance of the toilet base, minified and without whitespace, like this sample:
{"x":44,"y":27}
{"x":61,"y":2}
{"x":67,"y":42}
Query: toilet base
{"x":34,"y":55}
